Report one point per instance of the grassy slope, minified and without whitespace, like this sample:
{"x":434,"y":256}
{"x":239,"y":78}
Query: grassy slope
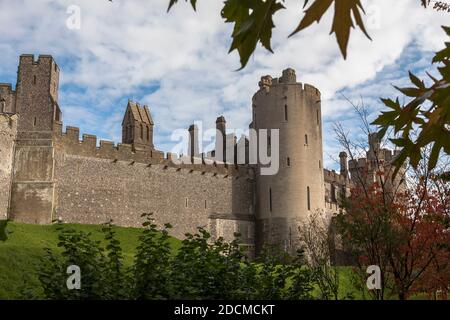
{"x":22,"y":246}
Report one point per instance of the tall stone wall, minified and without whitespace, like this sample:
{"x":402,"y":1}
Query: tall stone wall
{"x":96,"y":184}
{"x":8,"y":130}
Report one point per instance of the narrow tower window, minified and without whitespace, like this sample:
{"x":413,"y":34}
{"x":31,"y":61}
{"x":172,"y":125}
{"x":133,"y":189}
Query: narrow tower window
{"x":288,"y":161}
{"x":285,"y":112}
{"x":2,"y":105}
{"x":205,"y":204}
{"x":186,"y":202}
{"x":306,"y":139}
{"x":318,"y":119}
{"x":148,"y":133}
{"x":270,"y":199}
{"x":308,"y":198}
{"x":35,"y":121}
{"x":34,"y":79}
{"x":320,"y":165}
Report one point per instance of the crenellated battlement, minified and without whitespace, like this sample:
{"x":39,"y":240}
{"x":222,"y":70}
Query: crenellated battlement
{"x":42,"y":59}
{"x":332,"y":176}
{"x":6,"y":88}
{"x":68,"y":142}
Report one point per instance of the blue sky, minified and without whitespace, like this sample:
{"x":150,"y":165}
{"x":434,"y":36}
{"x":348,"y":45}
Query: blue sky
{"x":178,"y":64}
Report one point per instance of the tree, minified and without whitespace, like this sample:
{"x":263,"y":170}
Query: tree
{"x":403,"y":230}
{"x":315,"y":238}
{"x":253,"y":21}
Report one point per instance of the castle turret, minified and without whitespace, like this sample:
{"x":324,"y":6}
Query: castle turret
{"x":37,"y":93}
{"x":297,"y":190}
{"x":137,"y":126}
{"x":343,"y":164}
{"x":32,"y":189}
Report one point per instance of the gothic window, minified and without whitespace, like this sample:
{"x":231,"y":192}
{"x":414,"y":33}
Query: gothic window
{"x":308,"y":196}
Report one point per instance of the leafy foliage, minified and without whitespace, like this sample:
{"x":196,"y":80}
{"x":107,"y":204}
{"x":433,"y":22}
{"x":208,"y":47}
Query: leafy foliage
{"x":200,"y":269}
{"x":253,"y":21}
{"x":405,"y":237}
{"x":429,"y":111}
{"x":252,"y":24}
{"x":342,"y":21}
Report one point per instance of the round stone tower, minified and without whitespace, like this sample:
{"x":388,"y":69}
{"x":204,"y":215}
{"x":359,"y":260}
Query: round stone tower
{"x":297,"y":189}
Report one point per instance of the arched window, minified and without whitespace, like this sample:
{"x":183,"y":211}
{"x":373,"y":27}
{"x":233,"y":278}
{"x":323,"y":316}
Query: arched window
{"x":308,"y":198}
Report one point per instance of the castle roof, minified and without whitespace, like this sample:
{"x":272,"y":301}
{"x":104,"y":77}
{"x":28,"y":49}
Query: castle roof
{"x":139,"y":113}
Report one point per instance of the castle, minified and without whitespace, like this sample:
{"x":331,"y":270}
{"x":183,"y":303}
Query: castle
{"x":47,"y":173}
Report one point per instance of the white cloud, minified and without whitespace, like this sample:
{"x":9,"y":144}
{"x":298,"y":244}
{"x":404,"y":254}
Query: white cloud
{"x":126,"y":45}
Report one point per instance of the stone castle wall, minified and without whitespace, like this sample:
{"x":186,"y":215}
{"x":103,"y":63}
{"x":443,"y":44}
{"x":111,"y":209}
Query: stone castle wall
{"x":95,"y":184}
{"x":8,"y":130}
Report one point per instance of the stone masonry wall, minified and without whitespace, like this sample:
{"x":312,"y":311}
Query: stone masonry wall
{"x":8,"y":129}
{"x":93,"y":186}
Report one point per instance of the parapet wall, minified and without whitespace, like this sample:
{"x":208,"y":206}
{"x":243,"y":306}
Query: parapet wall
{"x":94,"y":184}
{"x":69,"y":142}
{"x":8,"y":131}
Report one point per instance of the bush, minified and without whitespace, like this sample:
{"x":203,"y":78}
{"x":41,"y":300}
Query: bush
{"x":200,"y":269}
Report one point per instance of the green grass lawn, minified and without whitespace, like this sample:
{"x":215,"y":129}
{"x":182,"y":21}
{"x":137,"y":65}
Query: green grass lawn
{"x":21,"y":246}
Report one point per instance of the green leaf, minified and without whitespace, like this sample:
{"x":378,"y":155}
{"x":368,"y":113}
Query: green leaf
{"x":252,"y":24}
{"x":172,"y":2}
{"x":313,"y":13}
{"x":342,"y":22}
{"x":417,"y":82}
